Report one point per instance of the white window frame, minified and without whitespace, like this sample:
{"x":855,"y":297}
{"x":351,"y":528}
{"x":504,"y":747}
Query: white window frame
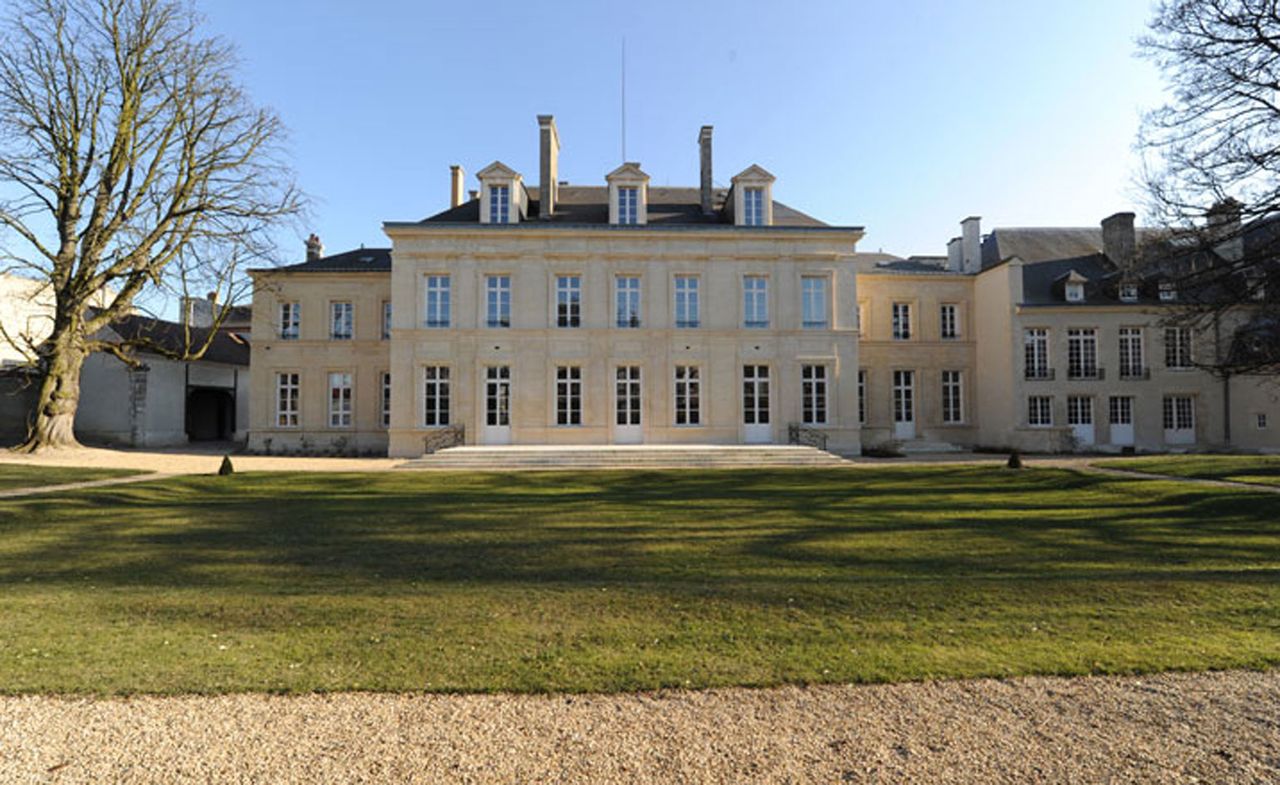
{"x":1168,"y":292}
{"x":1120,"y":410}
{"x":949,"y":321}
{"x":288,"y":399}
{"x":1039,"y":411}
{"x":753,"y":206}
{"x":1131,"y":359}
{"x":385,"y":389}
{"x":497,"y":301}
{"x":341,"y":404}
{"x":687,"y":394}
{"x":628,"y":205}
{"x":1128,"y":292}
{"x":755,"y":302}
{"x":1074,"y":292}
{"x":953,"y":397}
{"x":687,"y":302}
{"x":437,"y":302}
{"x":568,"y":397}
{"x":815,"y":299}
{"x":499,"y":204}
{"x":435,"y":396}
{"x":1035,"y":341}
{"x":1177,"y":348}
{"x":386,"y":320}
{"x":342,"y":320}
{"x":1080,"y":410}
{"x":1178,"y":412}
{"x":902,"y":321}
{"x":627,"y":301}
{"x":814,"y":394}
{"x":568,"y":307}
{"x":290,"y":320}
{"x":1082,"y":353}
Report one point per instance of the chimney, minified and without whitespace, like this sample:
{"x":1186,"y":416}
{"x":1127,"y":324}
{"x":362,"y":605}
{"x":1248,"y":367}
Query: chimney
{"x":1119,"y":242}
{"x":1224,"y":229}
{"x":315,"y":248}
{"x":473,"y":194}
{"x":456,"y":183}
{"x":704,"y":148}
{"x":955,"y":256}
{"x":549,"y":169}
{"x":971,"y":244}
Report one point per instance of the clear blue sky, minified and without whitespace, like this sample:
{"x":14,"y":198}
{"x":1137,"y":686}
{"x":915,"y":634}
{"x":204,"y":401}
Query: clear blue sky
{"x":900,"y":117}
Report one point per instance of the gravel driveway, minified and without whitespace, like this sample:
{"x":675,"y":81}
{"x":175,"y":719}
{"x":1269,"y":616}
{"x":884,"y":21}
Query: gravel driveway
{"x":1212,"y":728}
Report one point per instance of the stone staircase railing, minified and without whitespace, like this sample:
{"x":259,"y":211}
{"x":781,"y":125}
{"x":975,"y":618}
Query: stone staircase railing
{"x":809,"y":437}
{"x":451,"y":436}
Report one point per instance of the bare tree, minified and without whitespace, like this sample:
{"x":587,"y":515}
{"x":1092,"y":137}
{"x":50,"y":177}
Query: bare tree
{"x":132,"y":166}
{"x":1212,"y":175}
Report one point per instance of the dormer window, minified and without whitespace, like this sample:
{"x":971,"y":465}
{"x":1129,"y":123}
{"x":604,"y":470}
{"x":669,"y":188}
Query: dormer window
{"x":753,"y":207}
{"x":628,"y":200}
{"x":502,"y":195}
{"x":1075,"y":292}
{"x":499,"y":204}
{"x":1168,"y":292}
{"x":628,"y":195}
{"x":1128,"y":292}
{"x":751,"y":198}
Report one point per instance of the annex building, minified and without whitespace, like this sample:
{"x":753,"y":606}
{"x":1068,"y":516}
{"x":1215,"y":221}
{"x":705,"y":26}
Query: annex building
{"x":626,"y":313}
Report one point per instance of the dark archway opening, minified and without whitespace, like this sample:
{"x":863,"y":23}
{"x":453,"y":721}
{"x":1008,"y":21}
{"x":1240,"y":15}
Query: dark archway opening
{"x":211,"y":414}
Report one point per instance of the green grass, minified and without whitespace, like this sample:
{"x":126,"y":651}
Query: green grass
{"x":1258,"y":469}
{"x":14,"y":475}
{"x":623,"y":581}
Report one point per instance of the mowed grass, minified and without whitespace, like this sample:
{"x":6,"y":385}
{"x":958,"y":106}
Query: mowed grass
{"x":624,"y":581}
{"x":14,"y":475}
{"x":1258,"y":469}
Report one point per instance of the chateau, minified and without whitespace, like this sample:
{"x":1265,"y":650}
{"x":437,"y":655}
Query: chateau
{"x":625,"y":313}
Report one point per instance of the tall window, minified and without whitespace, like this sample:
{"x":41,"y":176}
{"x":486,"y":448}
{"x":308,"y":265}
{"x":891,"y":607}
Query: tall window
{"x":1082,"y":353}
{"x":497,"y":294}
{"x":342,"y":316}
{"x":386,"y":320}
{"x":688,"y":395}
{"x":499,"y":204}
{"x":1039,"y":411}
{"x":627,"y":292}
{"x":437,"y":301}
{"x":813,"y":290}
{"x":386,"y":399}
{"x":952,"y":397}
{"x":1079,"y":410}
{"x":862,"y":396}
{"x":813,"y":394}
{"x":1131,"y":353}
{"x":340,"y":399}
{"x":755,"y":301}
{"x":435,"y":395}
{"x":1179,"y":413}
{"x":568,"y":301}
{"x":290,"y":321}
{"x":287,"y":387}
{"x":753,"y":206}
{"x":901,"y":321}
{"x":1177,"y":347}
{"x":1121,"y":410}
{"x":950,"y":323}
{"x":628,"y":205}
{"x":1036,"y":344}
{"x":568,"y":395}
{"x":687,"y":301}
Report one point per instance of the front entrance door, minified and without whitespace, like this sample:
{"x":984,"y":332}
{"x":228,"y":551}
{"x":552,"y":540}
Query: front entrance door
{"x":1080,"y":418}
{"x":626,"y":405}
{"x":496,"y":428}
{"x":1122,"y":421}
{"x":755,"y":404}
{"x":904,"y":404}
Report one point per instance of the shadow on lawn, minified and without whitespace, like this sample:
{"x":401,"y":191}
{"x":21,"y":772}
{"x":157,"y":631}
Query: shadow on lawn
{"x":727,"y":533}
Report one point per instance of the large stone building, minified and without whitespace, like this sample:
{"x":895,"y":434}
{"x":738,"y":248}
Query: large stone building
{"x":629,"y":313}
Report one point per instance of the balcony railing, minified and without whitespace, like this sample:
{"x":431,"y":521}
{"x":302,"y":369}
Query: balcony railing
{"x":1086,"y":374}
{"x":1039,"y":374}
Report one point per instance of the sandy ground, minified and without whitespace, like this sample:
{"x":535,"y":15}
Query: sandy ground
{"x":1183,"y":728}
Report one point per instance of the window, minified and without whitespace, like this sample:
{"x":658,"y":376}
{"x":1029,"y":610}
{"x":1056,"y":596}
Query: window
{"x":340,"y":399}
{"x":1121,"y":410}
{"x":1129,"y":292}
{"x":627,"y":292}
{"x":1262,"y":421}
{"x":499,"y":204}
{"x":628,"y":205}
{"x":1179,"y":413}
{"x":1177,"y":347}
{"x":1036,"y":345}
{"x":1075,"y":292}
{"x":1168,"y":292}
{"x":435,"y":395}
{"x":568,"y":301}
{"x":386,"y":320}
{"x":813,"y":394}
{"x":1131,"y":353}
{"x":753,"y":207}
{"x":686,"y":301}
{"x":950,"y":322}
{"x":1039,"y":411}
{"x":497,"y":396}
{"x":568,"y":395}
{"x":901,"y":321}
{"x":386,"y":399}
{"x":497,"y":300}
{"x":1079,"y":410}
{"x":755,"y":301}
{"x":1082,"y":353}
{"x":437,"y":301}
{"x":862,"y":395}
{"x":287,"y":387}
{"x":952,"y":398}
{"x":688,"y":395}
{"x":290,"y":321}
{"x":342,"y":318}
{"x":813,"y":291}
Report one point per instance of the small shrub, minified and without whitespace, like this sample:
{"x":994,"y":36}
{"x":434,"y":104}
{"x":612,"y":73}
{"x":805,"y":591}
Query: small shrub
{"x":226,"y":467}
{"x":1015,"y":460}
{"x":881,"y":451}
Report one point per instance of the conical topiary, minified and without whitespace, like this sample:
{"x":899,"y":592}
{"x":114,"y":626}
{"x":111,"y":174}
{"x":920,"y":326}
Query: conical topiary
{"x":226,"y":467}
{"x":1015,"y":460}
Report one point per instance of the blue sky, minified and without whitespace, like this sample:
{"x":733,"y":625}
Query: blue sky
{"x":900,"y":117}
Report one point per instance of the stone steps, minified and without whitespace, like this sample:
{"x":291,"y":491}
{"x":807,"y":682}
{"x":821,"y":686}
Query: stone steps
{"x":625,"y":457}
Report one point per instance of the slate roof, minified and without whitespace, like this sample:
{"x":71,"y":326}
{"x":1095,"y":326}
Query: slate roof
{"x":227,"y":347}
{"x":1043,"y":243}
{"x":363,"y":260}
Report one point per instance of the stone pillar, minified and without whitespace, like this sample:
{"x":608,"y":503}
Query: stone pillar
{"x":138,"y":405}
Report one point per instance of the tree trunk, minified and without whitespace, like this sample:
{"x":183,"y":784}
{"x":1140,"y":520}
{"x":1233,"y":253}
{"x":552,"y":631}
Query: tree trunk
{"x":55,"y":412}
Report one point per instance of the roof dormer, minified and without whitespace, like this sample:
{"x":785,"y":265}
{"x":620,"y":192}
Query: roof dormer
{"x":628,"y":194}
{"x":1073,"y":286}
{"x":502,"y":195}
{"x":752,"y":197}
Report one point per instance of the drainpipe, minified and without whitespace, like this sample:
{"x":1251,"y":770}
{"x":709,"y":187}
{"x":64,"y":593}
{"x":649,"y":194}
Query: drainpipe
{"x":1226,"y":407}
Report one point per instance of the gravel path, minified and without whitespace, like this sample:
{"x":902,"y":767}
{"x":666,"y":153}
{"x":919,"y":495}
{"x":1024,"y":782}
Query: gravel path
{"x":14,"y":493}
{"x":1212,"y":728}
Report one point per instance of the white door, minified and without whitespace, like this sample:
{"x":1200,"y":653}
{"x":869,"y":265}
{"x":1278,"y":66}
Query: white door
{"x":1122,"y":421}
{"x":496,"y":428}
{"x":904,"y":404}
{"x":755,"y":404}
{"x":1080,"y":418}
{"x":1179,"y":419}
{"x":626,"y":405}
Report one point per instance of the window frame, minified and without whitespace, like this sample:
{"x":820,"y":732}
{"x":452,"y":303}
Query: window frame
{"x":568,"y":396}
{"x":622,"y":295}
{"x":687,"y":390}
{"x":340,"y":416}
{"x":901,"y":321}
{"x":684,"y":296}
{"x":349,"y":323}
{"x":384,"y":414}
{"x":1178,"y":355}
{"x":755,"y":301}
{"x":294,"y":412}
{"x":437,"y":302}
{"x":499,"y":204}
{"x":290,"y":327}
{"x":497,"y":301}
{"x":437,"y":382}
{"x":568,"y":301}
{"x":753,"y":206}
{"x":815,"y":394}
{"x":1039,"y":407}
{"x":949,"y":321}
{"x":628,"y":205}
{"x":1082,"y":353}
{"x":953,"y":397}
{"x":815,"y":291}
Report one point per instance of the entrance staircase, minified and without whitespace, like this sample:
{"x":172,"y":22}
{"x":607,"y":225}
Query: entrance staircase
{"x":578,"y":458}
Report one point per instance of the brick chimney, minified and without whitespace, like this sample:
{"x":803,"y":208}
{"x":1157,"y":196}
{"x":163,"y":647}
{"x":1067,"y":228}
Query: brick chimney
{"x":315,"y":248}
{"x":549,"y":166}
{"x":1119,"y":241}
{"x":704,"y":157}
{"x":457,"y":179}
{"x":971,"y":244}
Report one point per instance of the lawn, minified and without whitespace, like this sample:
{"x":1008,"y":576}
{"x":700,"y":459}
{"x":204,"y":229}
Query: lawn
{"x":622,"y":581}
{"x":13,"y":475}
{"x":1260,"y":469}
